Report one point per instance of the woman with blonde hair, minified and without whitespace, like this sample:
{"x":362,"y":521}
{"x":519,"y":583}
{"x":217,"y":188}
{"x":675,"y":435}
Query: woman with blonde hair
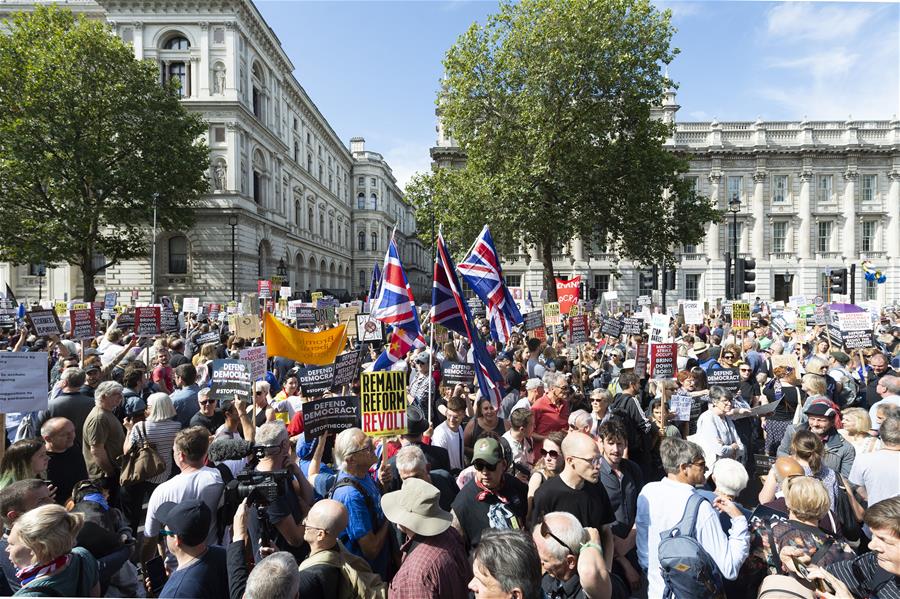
{"x":42,"y":548}
{"x":23,"y":459}
{"x":807,"y":448}
{"x":857,"y":425}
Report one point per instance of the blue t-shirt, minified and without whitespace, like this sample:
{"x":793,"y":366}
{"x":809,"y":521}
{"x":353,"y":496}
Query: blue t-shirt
{"x":360,"y":522}
{"x":206,"y":578}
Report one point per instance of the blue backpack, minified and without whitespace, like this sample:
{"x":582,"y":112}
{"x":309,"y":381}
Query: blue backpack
{"x":687,"y":569}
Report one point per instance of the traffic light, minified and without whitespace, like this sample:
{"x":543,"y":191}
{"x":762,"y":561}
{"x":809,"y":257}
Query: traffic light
{"x":838,"y":280}
{"x":728,"y":281}
{"x":745,"y":275}
{"x":650,"y":280}
{"x":669,"y":276}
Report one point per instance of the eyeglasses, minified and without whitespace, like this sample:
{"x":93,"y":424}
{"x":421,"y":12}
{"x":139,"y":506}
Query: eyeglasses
{"x":546,"y":532}
{"x":591,"y":461}
{"x":482,"y":466}
{"x":744,"y":369}
{"x":308,"y":525}
{"x":207,"y":402}
{"x":552,"y":453}
{"x":367,"y":447}
{"x":728,"y":356}
{"x":260,"y":392}
{"x":700,"y":464}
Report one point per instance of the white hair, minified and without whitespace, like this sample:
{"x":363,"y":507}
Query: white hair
{"x":572,"y":533}
{"x":411,"y":459}
{"x":730,"y":476}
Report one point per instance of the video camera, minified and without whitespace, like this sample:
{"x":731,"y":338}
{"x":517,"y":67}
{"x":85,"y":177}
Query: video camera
{"x":258,"y":488}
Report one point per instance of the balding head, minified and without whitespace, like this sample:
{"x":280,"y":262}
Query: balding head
{"x":786,"y":466}
{"x":59,"y":434}
{"x":891,"y":385}
{"x":582,"y":457}
{"x":329,"y":515}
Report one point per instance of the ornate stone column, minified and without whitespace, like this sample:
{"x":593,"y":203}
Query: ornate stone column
{"x":893,"y":216}
{"x":204,"y":66}
{"x":712,"y":230}
{"x":138,"y":40}
{"x":758,"y":209}
{"x":804,"y":213}
{"x":849,"y":214}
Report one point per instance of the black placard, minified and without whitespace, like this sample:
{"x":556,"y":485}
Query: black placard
{"x":476,"y":307}
{"x":763,"y":462}
{"x":306,"y":317}
{"x":633,"y":326}
{"x":727,"y":378}
{"x":459,"y":374}
{"x":533,"y":320}
{"x":230,"y":378}
{"x":346,"y":367}
{"x":612,"y":327}
{"x":211,"y":337}
{"x":316,"y":380}
{"x":333,"y":414}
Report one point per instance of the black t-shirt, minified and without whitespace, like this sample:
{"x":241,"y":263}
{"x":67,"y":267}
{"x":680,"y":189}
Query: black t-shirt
{"x":321,"y":581}
{"x":473,"y":514}
{"x":787,"y":407}
{"x":64,"y":470}
{"x":748,"y":390}
{"x":212,"y":424}
{"x":590,"y":504}
{"x":514,"y":379}
{"x":286,"y":505}
{"x":207,"y":577}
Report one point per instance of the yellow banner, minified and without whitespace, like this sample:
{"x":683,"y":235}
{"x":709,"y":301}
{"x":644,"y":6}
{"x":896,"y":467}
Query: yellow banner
{"x":383,"y":402}
{"x":319,"y":349}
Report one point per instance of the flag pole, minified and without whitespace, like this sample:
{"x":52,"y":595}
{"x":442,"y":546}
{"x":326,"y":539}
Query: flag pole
{"x":431,"y":314}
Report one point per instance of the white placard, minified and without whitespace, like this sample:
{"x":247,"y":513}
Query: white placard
{"x":256,"y":357}
{"x":23,"y":381}
{"x":191,"y":305}
{"x":693,"y":312}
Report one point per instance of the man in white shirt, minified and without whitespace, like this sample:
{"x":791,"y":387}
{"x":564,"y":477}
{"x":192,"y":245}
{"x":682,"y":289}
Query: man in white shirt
{"x":518,"y":437}
{"x":449,"y":434}
{"x":661,"y":505}
{"x":876,"y":475}
{"x":888,"y":388}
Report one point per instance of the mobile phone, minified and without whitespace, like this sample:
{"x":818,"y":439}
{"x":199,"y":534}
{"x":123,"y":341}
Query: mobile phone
{"x":155,"y":570}
{"x":801,"y":569}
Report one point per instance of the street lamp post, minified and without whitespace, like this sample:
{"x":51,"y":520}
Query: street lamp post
{"x":232,"y":222}
{"x":41,"y":272}
{"x":153,"y":254}
{"x":734,"y":206}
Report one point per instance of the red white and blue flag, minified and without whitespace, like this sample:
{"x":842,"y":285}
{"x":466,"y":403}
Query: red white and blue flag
{"x":373,"y":284}
{"x":394,"y":305}
{"x":481,"y":270}
{"x":450,"y":310}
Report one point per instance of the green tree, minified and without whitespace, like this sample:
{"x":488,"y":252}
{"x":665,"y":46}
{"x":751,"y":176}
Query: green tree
{"x":89,"y":141}
{"x":551,"y":102}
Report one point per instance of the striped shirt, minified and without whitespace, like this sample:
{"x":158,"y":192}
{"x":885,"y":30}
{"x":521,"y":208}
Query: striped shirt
{"x":865,"y":578}
{"x":162,"y":435}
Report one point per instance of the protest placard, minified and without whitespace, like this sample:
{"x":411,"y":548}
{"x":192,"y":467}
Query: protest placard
{"x":663,"y":360}
{"x":540,"y":333}
{"x":579,"y":332}
{"x":441,"y":334}
{"x":168,"y":320}
{"x":315,"y":296}
{"x":213,"y":311}
{"x":264,"y":289}
{"x":330,"y":414}
{"x":740,"y":316}
{"x":147,"y":321}
{"x":567,"y":293}
{"x":820,"y":317}
{"x":612,"y":326}
{"x":316,"y":380}
{"x":797,"y":300}
{"x":641,"y":358}
{"x":125,"y":322}
{"x":285,"y":291}
{"x":347,"y":315}
{"x":23,"y":381}
{"x":44,"y":323}
{"x":383,"y":403}
{"x":256,"y":358}
{"x":191,"y":305}
{"x":246,"y":326}
{"x":211,"y":337}
{"x":533,"y":320}
{"x":659,"y":328}
{"x":853,"y":330}
{"x":680,"y":407}
{"x":476,"y":307}
{"x":552,"y":315}
{"x":306,"y":317}
{"x":82,"y":324}
{"x":459,"y":374}
{"x":575,"y":310}
{"x":632,"y":325}
{"x":368,"y":328}
{"x":644,"y":300}
{"x":346,"y":367}
{"x":693,"y":312}
{"x":230,"y":378}
{"x":323,"y":317}
{"x":110,"y":299}
{"x":327,"y":302}
{"x":727,"y":378}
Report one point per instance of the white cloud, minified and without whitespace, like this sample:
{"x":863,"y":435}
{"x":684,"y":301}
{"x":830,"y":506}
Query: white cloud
{"x":680,"y":9}
{"x":795,"y":22}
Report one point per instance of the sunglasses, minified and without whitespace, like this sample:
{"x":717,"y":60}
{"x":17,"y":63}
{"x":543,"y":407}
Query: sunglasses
{"x":366,"y":447}
{"x":207,"y":402}
{"x":260,"y":392}
{"x":729,"y":356}
{"x":167,"y":533}
{"x":308,"y":525}
{"x":744,"y":369}
{"x":482,"y":466}
{"x":546,"y":532}
{"x":552,"y":453}
{"x":592,"y":461}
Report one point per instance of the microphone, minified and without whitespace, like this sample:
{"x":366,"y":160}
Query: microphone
{"x":224,"y":449}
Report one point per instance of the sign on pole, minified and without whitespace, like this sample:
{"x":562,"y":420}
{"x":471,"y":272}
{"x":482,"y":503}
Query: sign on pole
{"x":256,"y":358}
{"x":191,"y":305}
{"x":264,"y":289}
{"x":44,"y":323}
{"x":147,"y":321}
{"x":611,"y":326}
{"x":246,"y":326}
{"x":459,"y":374}
{"x":533,"y":320}
{"x":368,"y":328}
{"x":82,"y":324}
{"x":740,"y":316}
{"x":315,"y":380}
{"x":346,"y":367}
{"x":663,"y":360}
{"x":330,"y":414}
{"x":727,"y":378}
{"x":383,"y":402}
{"x":578,"y":330}
{"x":23,"y":381}
{"x":230,"y":378}
{"x":693,"y":312}
{"x":552,"y":316}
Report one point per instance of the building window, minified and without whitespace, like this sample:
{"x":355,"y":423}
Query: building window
{"x":362,"y":278}
{"x":373,"y":181}
{"x":734,"y":188}
{"x":374,"y":241}
{"x":320,"y":173}
{"x":779,"y":232}
{"x":871,"y":291}
{"x":297,"y":212}
{"x":780,"y":188}
{"x":823,"y":240}
{"x":219,"y":135}
{"x":733,"y":239}
{"x":374,"y":199}
{"x":178,"y":72}
{"x":296,"y":152}
{"x":361,"y":241}
{"x":37,"y":270}
{"x":309,"y":163}
{"x":868,"y":236}
{"x":361,"y":201}
{"x":694,"y":183}
{"x":641,"y":280}
{"x":513,"y":280}
{"x":825,"y":188}
{"x":825,"y":284}
{"x":362,"y":182}
{"x":692,"y":287}
{"x":257,"y":187}
{"x":178,"y":255}
{"x":330,"y":229}
{"x":98,"y":264}
{"x":309,"y":219}
{"x":178,"y":43}
{"x":869,"y":185}
{"x":321,"y":224}
{"x":689,"y":249}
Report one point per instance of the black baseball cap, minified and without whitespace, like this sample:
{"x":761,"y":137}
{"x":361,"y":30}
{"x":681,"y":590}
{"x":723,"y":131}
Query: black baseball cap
{"x":189,"y":520}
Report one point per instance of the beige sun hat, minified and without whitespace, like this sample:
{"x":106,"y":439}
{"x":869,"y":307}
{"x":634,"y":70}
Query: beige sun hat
{"x":416,"y":507}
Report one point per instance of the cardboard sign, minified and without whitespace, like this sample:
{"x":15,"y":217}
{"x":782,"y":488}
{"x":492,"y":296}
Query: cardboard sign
{"x":210,"y":337}
{"x":641,"y":359}
{"x":191,"y":305}
{"x":264,"y":289}
{"x":44,"y":323}
{"x":347,"y":315}
{"x":533,"y":320}
{"x":256,"y":358}
{"x":368,"y":328}
{"x":659,"y":328}
{"x":330,"y":414}
{"x":727,"y":378}
{"x":230,"y":378}
{"x":324,"y":317}
{"x":663,"y":360}
{"x":459,"y":374}
{"x":680,"y":406}
{"x":316,"y":380}
{"x":693,"y":312}
{"x":23,"y":381}
{"x":82,"y":324}
{"x":147,"y":321}
{"x":612,"y":327}
{"x":306,"y":317}
{"x":568,"y":293}
{"x":383,"y":403}
{"x":346,"y":367}
{"x":632,"y":326}
{"x":740,"y":316}
{"x":246,"y":326}
{"x":578,"y":330}
{"x":552,"y":315}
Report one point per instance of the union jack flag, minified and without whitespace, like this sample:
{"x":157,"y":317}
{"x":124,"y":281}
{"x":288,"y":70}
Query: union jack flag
{"x":373,"y":284}
{"x":451,"y":311}
{"x":394,"y":305}
{"x":481,"y":270}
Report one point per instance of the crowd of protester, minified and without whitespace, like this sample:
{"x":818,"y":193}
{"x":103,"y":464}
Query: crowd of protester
{"x":581,"y":482}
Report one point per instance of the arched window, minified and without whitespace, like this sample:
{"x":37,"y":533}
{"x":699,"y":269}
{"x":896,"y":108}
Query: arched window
{"x":340,"y":233}
{"x":361,"y":244}
{"x":309,"y":163}
{"x":297,"y":212}
{"x":257,"y":187}
{"x":361,"y":201}
{"x":258,"y":97}
{"x":178,"y":255}
{"x":296,"y":152}
{"x":362,"y":279}
{"x":331,"y":229}
{"x":178,"y":43}
{"x":374,"y":198}
{"x":374,"y":241}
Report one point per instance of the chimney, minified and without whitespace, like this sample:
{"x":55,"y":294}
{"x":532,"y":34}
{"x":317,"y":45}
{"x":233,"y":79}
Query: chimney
{"x":357,"y":144}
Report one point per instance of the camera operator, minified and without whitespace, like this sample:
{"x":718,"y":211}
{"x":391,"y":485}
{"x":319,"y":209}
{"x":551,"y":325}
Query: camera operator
{"x":284,"y":514}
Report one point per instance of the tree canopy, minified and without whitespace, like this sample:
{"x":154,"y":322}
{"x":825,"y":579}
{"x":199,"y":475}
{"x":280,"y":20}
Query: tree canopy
{"x":551,"y":102}
{"x":89,"y":141}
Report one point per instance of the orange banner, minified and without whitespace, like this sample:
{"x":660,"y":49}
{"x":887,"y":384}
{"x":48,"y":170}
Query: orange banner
{"x":319,"y":349}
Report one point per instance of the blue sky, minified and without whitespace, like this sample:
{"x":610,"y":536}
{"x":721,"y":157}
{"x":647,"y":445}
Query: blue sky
{"x":373,"y":67}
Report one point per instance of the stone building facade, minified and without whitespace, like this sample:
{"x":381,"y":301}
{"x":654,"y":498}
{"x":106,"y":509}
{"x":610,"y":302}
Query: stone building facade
{"x":282,"y":181}
{"x":814,"y":196}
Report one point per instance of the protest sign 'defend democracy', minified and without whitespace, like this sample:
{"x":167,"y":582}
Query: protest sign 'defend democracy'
{"x":345,"y":368}
{"x":324,"y":414}
{"x":315,"y":380}
{"x":230,"y":378}
{"x":383,"y":399}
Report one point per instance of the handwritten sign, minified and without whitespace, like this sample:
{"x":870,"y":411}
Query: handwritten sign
{"x":368,"y":328}
{"x":256,"y":358}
